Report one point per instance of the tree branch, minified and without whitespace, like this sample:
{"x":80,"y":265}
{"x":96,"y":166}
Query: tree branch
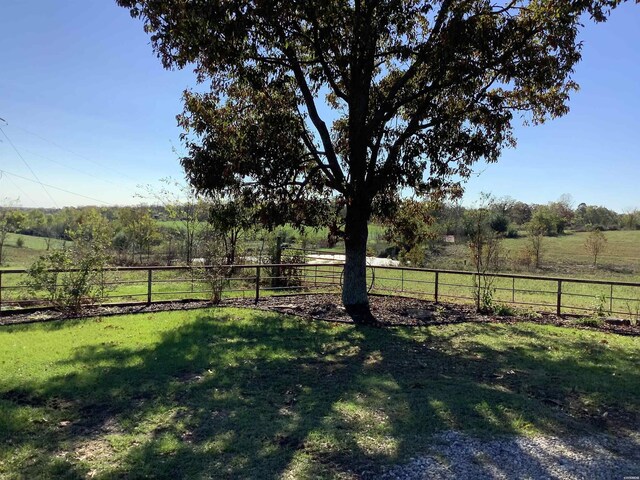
{"x":315,"y":117}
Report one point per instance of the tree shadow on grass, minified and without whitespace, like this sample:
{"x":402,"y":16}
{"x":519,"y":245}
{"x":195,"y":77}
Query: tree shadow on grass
{"x":272,"y":397}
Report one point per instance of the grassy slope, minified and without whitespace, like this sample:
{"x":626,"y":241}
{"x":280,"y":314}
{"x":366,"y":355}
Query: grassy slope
{"x":33,"y":247}
{"x":240,"y":394}
{"x":566,"y":256}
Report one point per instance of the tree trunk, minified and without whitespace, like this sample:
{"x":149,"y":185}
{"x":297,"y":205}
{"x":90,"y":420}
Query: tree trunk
{"x":354,"y":286}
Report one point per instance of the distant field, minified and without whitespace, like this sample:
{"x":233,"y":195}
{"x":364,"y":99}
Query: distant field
{"x":565,"y":256}
{"x":22,"y":257}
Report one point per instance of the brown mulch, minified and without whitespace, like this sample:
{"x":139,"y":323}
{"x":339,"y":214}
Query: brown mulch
{"x":389,"y":311}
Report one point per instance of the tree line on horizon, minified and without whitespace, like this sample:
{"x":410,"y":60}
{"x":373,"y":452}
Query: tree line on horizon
{"x":176,"y":232}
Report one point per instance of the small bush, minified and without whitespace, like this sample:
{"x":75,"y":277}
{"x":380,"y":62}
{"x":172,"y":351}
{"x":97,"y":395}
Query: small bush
{"x":512,"y":232}
{"x":504,"y":310}
{"x":600,"y":306}
{"x":591,"y":322}
{"x":20,"y":242}
{"x":524,"y":257}
{"x":68,"y":282}
{"x":499,"y":223}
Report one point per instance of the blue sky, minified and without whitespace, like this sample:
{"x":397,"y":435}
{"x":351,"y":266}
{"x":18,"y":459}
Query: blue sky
{"x":91,"y":110}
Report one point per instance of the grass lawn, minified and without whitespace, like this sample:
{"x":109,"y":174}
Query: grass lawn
{"x":229,"y":393}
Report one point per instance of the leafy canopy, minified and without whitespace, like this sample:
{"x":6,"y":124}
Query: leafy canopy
{"x":361,"y":97}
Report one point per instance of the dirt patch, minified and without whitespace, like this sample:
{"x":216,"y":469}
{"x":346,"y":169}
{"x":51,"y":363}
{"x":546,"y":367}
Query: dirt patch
{"x":389,"y":311}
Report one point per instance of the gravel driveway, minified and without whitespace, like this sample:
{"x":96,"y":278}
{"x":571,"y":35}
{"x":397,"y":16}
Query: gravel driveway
{"x":459,"y":456}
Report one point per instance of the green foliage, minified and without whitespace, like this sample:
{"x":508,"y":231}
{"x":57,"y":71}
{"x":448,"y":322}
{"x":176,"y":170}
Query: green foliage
{"x":185,"y":208}
{"x":590,"y":322}
{"x":232,"y":219}
{"x":214,"y":272}
{"x":71,"y":277}
{"x":631,"y":219}
{"x":67,"y":280}
{"x":512,"y":232}
{"x":542,"y":223}
{"x":9,"y":221}
{"x":546,"y":222}
{"x":504,"y":310}
{"x":410,"y":227}
{"x":600,"y":307}
{"x":137,"y":232}
{"x":20,"y":242}
{"x":591,"y":217}
{"x":499,"y":223}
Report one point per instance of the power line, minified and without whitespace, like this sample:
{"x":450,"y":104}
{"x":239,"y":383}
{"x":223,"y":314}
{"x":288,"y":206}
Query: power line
{"x":75,"y":153}
{"x":75,"y":169}
{"x":55,"y":188}
{"x":28,"y":166}
{"x":18,"y":187}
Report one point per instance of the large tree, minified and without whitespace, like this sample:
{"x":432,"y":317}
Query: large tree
{"x":363,"y":98}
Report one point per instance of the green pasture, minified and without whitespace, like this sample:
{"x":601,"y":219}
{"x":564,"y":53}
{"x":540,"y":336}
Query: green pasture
{"x":228,"y":393}
{"x":564,"y":255}
{"x":23,"y":257}
{"x":527,"y":293}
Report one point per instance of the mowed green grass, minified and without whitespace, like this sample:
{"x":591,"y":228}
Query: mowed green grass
{"x":230,"y":393}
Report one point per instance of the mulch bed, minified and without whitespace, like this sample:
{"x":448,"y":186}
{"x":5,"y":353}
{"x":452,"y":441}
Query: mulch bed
{"x":389,"y":311}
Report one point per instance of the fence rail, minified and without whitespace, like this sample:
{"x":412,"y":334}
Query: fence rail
{"x":178,"y":283}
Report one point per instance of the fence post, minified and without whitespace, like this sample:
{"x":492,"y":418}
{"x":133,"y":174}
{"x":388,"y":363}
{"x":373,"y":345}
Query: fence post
{"x":149,"y":284}
{"x":257,"y":283}
{"x":315,"y":277}
{"x":611,"y":300}
{"x":402,"y":281}
{"x":0,"y":293}
{"x":559,"y":299}
{"x":436,"y":288}
{"x":513,"y":289}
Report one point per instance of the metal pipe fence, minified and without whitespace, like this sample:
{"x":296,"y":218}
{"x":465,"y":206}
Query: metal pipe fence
{"x":146,"y":285}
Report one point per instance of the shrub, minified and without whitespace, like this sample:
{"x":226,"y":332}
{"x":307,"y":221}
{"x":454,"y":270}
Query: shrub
{"x":499,"y":223}
{"x":591,"y":322}
{"x":20,"y":242}
{"x":66,"y":281}
{"x":524,"y":257}
{"x":72,"y":277}
{"x":504,"y":310}
{"x":600,"y":306}
{"x":512,"y":232}
{"x":595,"y":245}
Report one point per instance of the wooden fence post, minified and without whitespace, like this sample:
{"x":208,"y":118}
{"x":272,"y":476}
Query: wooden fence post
{"x":436,"y":288}
{"x":559,"y":299}
{"x":149,"y":284}
{"x":0,"y":293}
{"x":257,"y":283}
{"x":402,"y":281}
{"x":611,"y":300}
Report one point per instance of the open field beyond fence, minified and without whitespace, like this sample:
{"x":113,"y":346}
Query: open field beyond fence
{"x":153,"y":284}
